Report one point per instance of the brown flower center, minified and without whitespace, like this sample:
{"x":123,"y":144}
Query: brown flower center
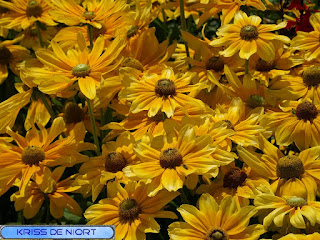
{"x":115,"y":162}
{"x":215,"y":63}
{"x":5,"y":55}
{"x":89,"y":15}
{"x":229,"y":124}
{"x":165,"y":87}
{"x":170,"y":158}
{"x":249,"y":33}
{"x":290,"y":166}
{"x":264,"y":66}
{"x":34,"y":9}
{"x":306,"y":111}
{"x":81,"y":70}
{"x":129,"y":210}
{"x":311,"y":76}
{"x":133,"y":63}
{"x":255,"y":100}
{"x":234,"y":178}
{"x":296,"y":202}
{"x":96,"y":32}
{"x":32,"y":155}
{"x":72,"y":113}
{"x":159,"y":117}
{"x":132,"y":31}
{"x":217,"y":234}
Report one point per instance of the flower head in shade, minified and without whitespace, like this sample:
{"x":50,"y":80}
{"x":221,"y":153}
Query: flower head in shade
{"x":248,"y":36}
{"x":215,"y":222}
{"x":131,"y":210}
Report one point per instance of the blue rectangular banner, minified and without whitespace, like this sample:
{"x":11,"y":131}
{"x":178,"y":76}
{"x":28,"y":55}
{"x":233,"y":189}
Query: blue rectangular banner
{"x":56,"y":232}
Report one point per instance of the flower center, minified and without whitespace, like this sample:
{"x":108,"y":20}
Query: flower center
{"x":306,"y":111}
{"x":255,"y":101}
{"x":115,"y":162}
{"x":129,"y":210}
{"x":132,"y":31}
{"x":159,"y":117}
{"x":133,"y":63}
{"x":290,"y":166}
{"x":234,"y":178}
{"x":229,"y":124}
{"x":81,"y":70}
{"x":249,"y":33}
{"x":165,"y":87}
{"x":215,"y":63}
{"x":217,"y":234}
{"x":72,"y":113}
{"x":5,"y":56}
{"x":170,"y":158}
{"x":263,"y":66}
{"x":89,"y":15}
{"x":297,"y":202}
{"x":311,"y":76}
{"x":32,"y":155}
{"x":34,"y":9}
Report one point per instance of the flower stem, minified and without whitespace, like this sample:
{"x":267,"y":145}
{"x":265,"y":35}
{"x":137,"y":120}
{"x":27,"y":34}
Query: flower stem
{"x":165,"y":22}
{"x":247,"y":66}
{"x":47,"y":206}
{"x":93,"y":125}
{"x":45,"y":102}
{"x":39,"y":34}
{"x":184,"y":24}
{"x":90,"y":34}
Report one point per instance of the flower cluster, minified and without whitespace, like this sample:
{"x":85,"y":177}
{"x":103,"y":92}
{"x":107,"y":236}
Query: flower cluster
{"x":114,"y":114}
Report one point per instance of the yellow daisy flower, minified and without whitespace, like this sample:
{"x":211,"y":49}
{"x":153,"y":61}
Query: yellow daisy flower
{"x":248,"y":36}
{"x":160,"y":92}
{"x":34,"y":197}
{"x":62,"y":69}
{"x":213,"y":221}
{"x":168,"y":162}
{"x":24,"y":13}
{"x":297,"y":209}
{"x":95,"y":173}
{"x":130,"y":210}
{"x":291,"y":175}
{"x":308,"y":42}
{"x":292,"y":236}
{"x":36,"y":151}
{"x":298,"y":122}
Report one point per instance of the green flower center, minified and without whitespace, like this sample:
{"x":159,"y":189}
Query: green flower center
{"x":234,"y":178}
{"x":115,"y":162}
{"x":217,"y":234}
{"x":296,"y":202}
{"x":32,"y":155}
{"x":34,"y":9}
{"x":255,"y":101}
{"x":170,"y":158}
{"x":263,"y":66}
{"x":215,"y":63}
{"x":249,"y":33}
{"x":165,"y":87}
{"x":132,"y":63}
{"x":81,"y":70}
{"x":132,"y":31}
{"x":72,"y":113}
{"x":129,"y":210}
{"x":89,"y":15}
{"x":306,"y":111}
{"x":5,"y":55}
{"x":290,"y":166}
{"x":311,"y":76}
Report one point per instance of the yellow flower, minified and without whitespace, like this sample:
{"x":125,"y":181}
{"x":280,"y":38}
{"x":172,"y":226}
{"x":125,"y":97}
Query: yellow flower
{"x":292,"y":175}
{"x":62,"y":69}
{"x":248,"y":36}
{"x":36,"y":151}
{"x":32,"y":200}
{"x":160,"y":93}
{"x":308,"y":42}
{"x":213,"y":221}
{"x":24,"y":13}
{"x":11,"y":54}
{"x":297,"y":209}
{"x":95,"y":173}
{"x":130,"y":210}
{"x":168,"y":162}
{"x":298,"y":122}
{"x":292,"y":236}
